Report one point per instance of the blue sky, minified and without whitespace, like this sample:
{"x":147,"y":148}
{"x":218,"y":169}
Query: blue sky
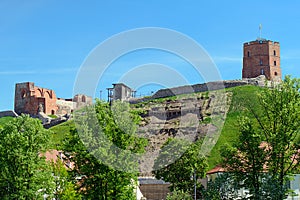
{"x":46,"y":42}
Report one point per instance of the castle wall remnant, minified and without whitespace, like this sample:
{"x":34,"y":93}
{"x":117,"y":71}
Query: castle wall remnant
{"x":8,"y":113}
{"x":31,"y":99}
{"x":203,"y":87}
{"x":262,"y":57}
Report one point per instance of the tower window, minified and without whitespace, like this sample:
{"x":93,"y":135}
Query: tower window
{"x":275,"y":63}
{"x":262,"y":72}
{"x":260,"y":62}
{"x":248,"y":53}
{"x":275,"y":74}
{"x":274,"y":52}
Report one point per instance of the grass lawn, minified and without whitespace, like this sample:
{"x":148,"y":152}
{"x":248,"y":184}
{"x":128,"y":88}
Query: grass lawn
{"x":242,"y":97}
{"x":60,"y":132}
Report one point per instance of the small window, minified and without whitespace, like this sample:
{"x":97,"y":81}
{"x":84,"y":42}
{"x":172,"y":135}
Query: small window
{"x":248,"y":53}
{"x":275,"y":74}
{"x":275,"y":63}
{"x":262,"y":72}
{"x":23,"y":94}
{"x":274,"y":52}
{"x":260,"y":62}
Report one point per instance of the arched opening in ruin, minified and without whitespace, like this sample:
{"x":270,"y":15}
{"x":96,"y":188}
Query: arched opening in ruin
{"x":83,"y":99}
{"x":39,"y":93}
{"x":23,"y":94}
{"x":48,"y":95}
{"x":52,"y":112}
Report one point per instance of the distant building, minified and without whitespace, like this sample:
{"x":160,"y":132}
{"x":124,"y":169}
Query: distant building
{"x":31,"y":99}
{"x":120,"y":91}
{"x":262,"y":57}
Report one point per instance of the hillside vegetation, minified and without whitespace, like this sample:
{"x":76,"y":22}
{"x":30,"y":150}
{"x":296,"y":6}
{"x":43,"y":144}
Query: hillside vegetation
{"x":4,"y":120}
{"x":240,"y":97}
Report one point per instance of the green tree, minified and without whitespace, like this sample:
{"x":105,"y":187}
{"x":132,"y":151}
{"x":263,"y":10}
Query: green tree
{"x":103,"y":140}
{"x":267,"y":151}
{"x":246,"y":159}
{"x":185,"y":171}
{"x":65,"y":189}
{"x":179,"y":194}
{"x":24,"y":173}
{"x":224,"y":186}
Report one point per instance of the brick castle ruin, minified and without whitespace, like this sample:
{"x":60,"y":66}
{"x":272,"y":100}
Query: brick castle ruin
{"x":31,"y":99}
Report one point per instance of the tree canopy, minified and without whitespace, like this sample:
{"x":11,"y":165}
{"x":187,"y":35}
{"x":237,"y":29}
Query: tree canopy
{"x":184,"y":172}
{"x":103,"y":140}
{"x":268,"y":149}
{"x":24,"y":173}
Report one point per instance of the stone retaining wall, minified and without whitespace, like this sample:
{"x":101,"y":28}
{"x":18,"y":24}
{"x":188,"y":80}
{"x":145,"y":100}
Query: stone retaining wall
{"x":8,"y":113}
{"x":203,"y":87}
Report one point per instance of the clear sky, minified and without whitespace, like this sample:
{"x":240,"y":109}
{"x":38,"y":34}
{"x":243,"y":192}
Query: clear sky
{"x":46,"y":41}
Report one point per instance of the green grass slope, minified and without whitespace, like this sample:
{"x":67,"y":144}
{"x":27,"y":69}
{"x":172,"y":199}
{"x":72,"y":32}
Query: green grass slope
{"x":60,"y":132}
{"x":241,"y":97}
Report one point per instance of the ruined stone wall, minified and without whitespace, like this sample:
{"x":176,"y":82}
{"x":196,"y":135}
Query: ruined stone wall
{"x":47,"y":98}
{"x":30,"y":99}
{"x":81,"y":100}
{"x":210,"y":86}
{"x":23,"y":93}
{"x":204,"y":87}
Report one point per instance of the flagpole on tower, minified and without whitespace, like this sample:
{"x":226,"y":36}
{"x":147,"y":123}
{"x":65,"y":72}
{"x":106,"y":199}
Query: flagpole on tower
{"x":260,"y":27}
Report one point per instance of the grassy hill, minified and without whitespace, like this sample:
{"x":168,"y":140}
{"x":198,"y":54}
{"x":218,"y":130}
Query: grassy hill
{"x":241,"y":96}
{"x":60,"y":132}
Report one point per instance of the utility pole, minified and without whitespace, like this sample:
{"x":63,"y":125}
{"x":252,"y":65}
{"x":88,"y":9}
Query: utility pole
{"x":195,"y":184}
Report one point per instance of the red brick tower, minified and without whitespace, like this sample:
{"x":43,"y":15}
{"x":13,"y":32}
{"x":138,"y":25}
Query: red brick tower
{"x":262,"y":57}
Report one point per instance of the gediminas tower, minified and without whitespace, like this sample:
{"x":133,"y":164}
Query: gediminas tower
{"x":262,"y":57}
